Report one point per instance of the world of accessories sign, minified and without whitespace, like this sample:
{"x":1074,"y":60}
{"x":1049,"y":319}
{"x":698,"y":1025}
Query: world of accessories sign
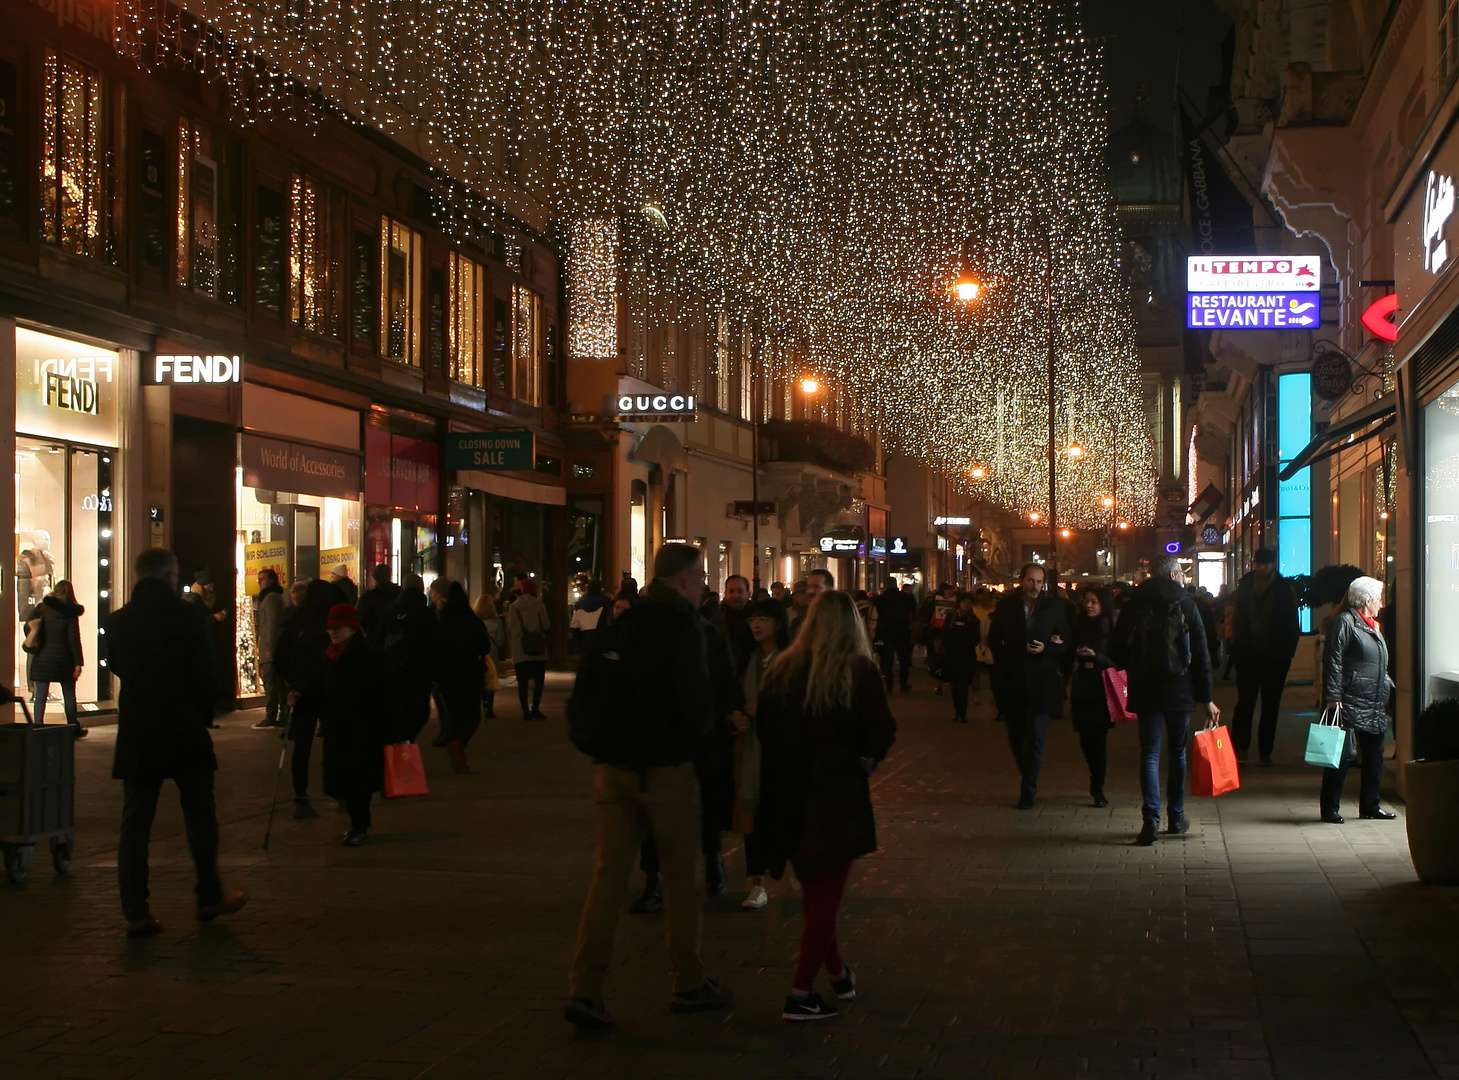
{"x":167,"y":369}
{"x":1262,"y":293}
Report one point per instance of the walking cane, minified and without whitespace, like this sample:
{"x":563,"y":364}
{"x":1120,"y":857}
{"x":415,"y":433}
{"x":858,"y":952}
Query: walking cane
{"x":278,"y":777}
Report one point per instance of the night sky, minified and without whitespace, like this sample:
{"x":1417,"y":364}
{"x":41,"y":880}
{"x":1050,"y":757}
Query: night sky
{"x":1157,"y":43}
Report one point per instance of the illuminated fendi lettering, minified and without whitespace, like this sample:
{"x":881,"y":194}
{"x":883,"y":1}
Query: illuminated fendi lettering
{"x":168,"y":369}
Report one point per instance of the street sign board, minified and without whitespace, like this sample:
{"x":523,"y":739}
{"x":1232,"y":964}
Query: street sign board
{"x":1252,"y":310}
{"x":490,"y":450}
{"x":1278,"y":274}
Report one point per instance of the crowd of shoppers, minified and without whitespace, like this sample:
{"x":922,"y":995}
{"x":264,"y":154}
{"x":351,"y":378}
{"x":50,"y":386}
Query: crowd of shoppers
{"x":760,"y":715}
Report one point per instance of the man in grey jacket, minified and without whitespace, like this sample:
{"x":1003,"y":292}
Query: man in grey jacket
{"x":269,"y":611}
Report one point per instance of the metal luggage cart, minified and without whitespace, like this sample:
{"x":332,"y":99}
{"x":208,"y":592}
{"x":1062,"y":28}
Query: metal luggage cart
{"x":37,"y":794}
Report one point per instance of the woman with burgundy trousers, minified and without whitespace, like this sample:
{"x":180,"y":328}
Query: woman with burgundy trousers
{"x":824,"y":727}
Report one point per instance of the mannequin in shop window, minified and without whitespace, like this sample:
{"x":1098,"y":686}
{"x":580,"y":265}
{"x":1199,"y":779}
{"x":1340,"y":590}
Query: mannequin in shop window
{"x":34,"y":571}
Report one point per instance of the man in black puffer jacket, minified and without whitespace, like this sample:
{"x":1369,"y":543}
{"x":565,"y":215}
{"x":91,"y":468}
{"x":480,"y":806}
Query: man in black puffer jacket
{"x":642,"y":705}
{"x":1161,"y":641}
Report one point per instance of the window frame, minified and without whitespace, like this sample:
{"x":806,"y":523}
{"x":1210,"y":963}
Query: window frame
{"x":414,"y":289}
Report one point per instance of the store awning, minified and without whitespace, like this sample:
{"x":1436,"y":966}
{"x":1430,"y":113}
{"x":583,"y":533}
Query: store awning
{"x":1339,"y":436}
{"x":660,"y":446}
{"x":509,"y":487}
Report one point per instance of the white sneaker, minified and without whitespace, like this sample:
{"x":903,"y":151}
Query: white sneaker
{"x":757,"y":899}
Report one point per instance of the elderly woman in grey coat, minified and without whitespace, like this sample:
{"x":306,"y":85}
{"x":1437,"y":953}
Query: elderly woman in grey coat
{"x":1355,"y":679}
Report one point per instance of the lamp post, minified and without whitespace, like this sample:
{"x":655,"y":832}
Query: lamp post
{"x":808,"y":386}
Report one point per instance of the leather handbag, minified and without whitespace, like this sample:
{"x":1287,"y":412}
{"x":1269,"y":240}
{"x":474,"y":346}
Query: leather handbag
{"x":405,"y":773}
{"x":35,"y":635}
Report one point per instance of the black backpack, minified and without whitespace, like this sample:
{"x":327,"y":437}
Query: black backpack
{"x":1162,"y":641}
{"x":611,"y":715}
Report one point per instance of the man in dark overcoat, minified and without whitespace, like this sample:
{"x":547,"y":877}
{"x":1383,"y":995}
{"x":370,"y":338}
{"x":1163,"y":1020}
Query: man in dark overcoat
{"x":160,"y":648}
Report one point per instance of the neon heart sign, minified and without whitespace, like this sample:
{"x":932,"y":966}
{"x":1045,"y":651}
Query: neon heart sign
{"x":1379,"y":318}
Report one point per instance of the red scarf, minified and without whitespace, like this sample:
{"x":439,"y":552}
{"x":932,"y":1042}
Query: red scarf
{"x":1372,"y":622}
{"x":334,"y":652}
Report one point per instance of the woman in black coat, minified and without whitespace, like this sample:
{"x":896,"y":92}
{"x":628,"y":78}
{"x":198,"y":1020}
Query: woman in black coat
{"x":300,"y":657}
{"x":354,"y":720}
{"x":1087,"y":700}
{"x":1355,"y":679}
{"x":59,"y":659}
{"x":961,"y":635}
{"x":824,"y":726}
{"x":462,"y":645}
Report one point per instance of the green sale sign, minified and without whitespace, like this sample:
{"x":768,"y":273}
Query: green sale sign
{"x":490,"y":450}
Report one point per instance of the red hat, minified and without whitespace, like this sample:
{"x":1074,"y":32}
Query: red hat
{"x":527,"y":586}
{"x":343,"y":615}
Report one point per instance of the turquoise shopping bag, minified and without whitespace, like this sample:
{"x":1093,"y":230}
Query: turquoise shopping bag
{"x":1326,"y":741}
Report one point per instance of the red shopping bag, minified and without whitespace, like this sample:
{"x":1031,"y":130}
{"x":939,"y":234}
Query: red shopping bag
{"x":1215,"y":765}
{"x":1117,"y":695}
{"x":405,"y":773}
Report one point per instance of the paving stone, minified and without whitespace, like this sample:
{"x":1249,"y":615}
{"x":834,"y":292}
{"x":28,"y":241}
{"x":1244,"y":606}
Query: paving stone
{"x":989,"y":942}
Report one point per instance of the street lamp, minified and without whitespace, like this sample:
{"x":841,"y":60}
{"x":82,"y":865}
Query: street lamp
{"x":977,"y":472}
{"x":808,"y":385}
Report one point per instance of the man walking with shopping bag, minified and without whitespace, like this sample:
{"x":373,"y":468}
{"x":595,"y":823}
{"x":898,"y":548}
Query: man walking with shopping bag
{"x":1161,"y":642}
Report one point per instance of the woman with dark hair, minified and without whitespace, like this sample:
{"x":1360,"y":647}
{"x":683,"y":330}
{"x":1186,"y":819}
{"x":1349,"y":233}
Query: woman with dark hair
{"x":961,"y":636}
{"x":766,"y":622}
{"x":462,"y":645}
{"x":300,"y":656}
{"x":824,"y":726}
{"x":59,"y":659}
{"x":1088,"y":703}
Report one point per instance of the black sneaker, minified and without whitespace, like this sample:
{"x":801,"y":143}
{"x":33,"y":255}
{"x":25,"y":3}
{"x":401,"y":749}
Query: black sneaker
{"x":356,"y":837}
{"x":1179,"y":825}
{"x":810,"y":1007}
{"x":1025,"y":802}
{"x":587,"y":1016}
{"x":651,"y":900}
{"x":264,"y":724}
{"x":710,"y":995}
{"x":1148,"y":833}
{"x":845,"y":987}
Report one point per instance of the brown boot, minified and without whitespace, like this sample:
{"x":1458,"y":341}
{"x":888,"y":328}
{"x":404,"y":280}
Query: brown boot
{"x":143,"y":928}
{"x":225,"y":906}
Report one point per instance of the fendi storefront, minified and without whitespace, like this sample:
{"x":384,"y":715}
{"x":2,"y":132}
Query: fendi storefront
{"x":71,"y":400}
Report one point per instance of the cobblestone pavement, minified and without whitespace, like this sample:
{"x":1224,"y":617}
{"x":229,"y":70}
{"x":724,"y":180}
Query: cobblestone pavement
{"x":988,"y":942}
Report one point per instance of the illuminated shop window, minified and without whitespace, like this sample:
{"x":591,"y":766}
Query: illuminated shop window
{"x":76,"y":210}
{"x":310,"y":303}
{"x":527,"y":345}
{"x":1294,"y":496}
{"x":401,"y":273}
{"x":197,"y":209}
{"x":466,"y":325}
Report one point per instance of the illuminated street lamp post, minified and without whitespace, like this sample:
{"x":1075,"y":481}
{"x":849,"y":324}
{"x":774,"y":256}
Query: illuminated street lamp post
{"x":808,"y":386}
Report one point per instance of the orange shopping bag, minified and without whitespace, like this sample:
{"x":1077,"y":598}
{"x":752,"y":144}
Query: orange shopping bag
{"x":405,"y":773}
{"x":1215,"y":765}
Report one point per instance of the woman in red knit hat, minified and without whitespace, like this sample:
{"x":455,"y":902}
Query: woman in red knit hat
{"x":356,"y":715}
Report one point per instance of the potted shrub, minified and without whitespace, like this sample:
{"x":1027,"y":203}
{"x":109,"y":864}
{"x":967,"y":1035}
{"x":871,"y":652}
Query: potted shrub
{"x":1431,"y":794}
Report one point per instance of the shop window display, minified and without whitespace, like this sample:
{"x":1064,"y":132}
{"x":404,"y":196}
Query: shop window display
{"x":65,"y":505}
{"x":300,"y":537}
{"x":1441,"y":546}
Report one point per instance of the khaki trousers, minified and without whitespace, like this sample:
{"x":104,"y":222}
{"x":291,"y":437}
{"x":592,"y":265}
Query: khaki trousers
{"x":627,"y":808}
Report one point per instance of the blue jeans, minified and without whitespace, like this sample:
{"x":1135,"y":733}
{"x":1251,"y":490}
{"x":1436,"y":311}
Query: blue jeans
{"x":1177,"y":727}
{"x":68,"y":699}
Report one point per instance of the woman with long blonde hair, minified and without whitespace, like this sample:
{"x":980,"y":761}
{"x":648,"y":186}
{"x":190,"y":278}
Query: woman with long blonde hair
{"x":824,"y":726}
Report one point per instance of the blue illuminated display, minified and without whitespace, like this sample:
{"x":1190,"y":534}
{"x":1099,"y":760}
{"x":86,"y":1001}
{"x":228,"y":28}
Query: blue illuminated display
{"x":1294,"y":496}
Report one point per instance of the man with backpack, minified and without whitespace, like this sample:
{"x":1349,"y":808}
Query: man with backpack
{"x":1160,"y":641}
{"x":641,"y":706}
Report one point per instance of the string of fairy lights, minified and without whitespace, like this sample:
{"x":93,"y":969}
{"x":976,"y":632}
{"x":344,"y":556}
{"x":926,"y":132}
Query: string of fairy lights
{"x":823,"y":172}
